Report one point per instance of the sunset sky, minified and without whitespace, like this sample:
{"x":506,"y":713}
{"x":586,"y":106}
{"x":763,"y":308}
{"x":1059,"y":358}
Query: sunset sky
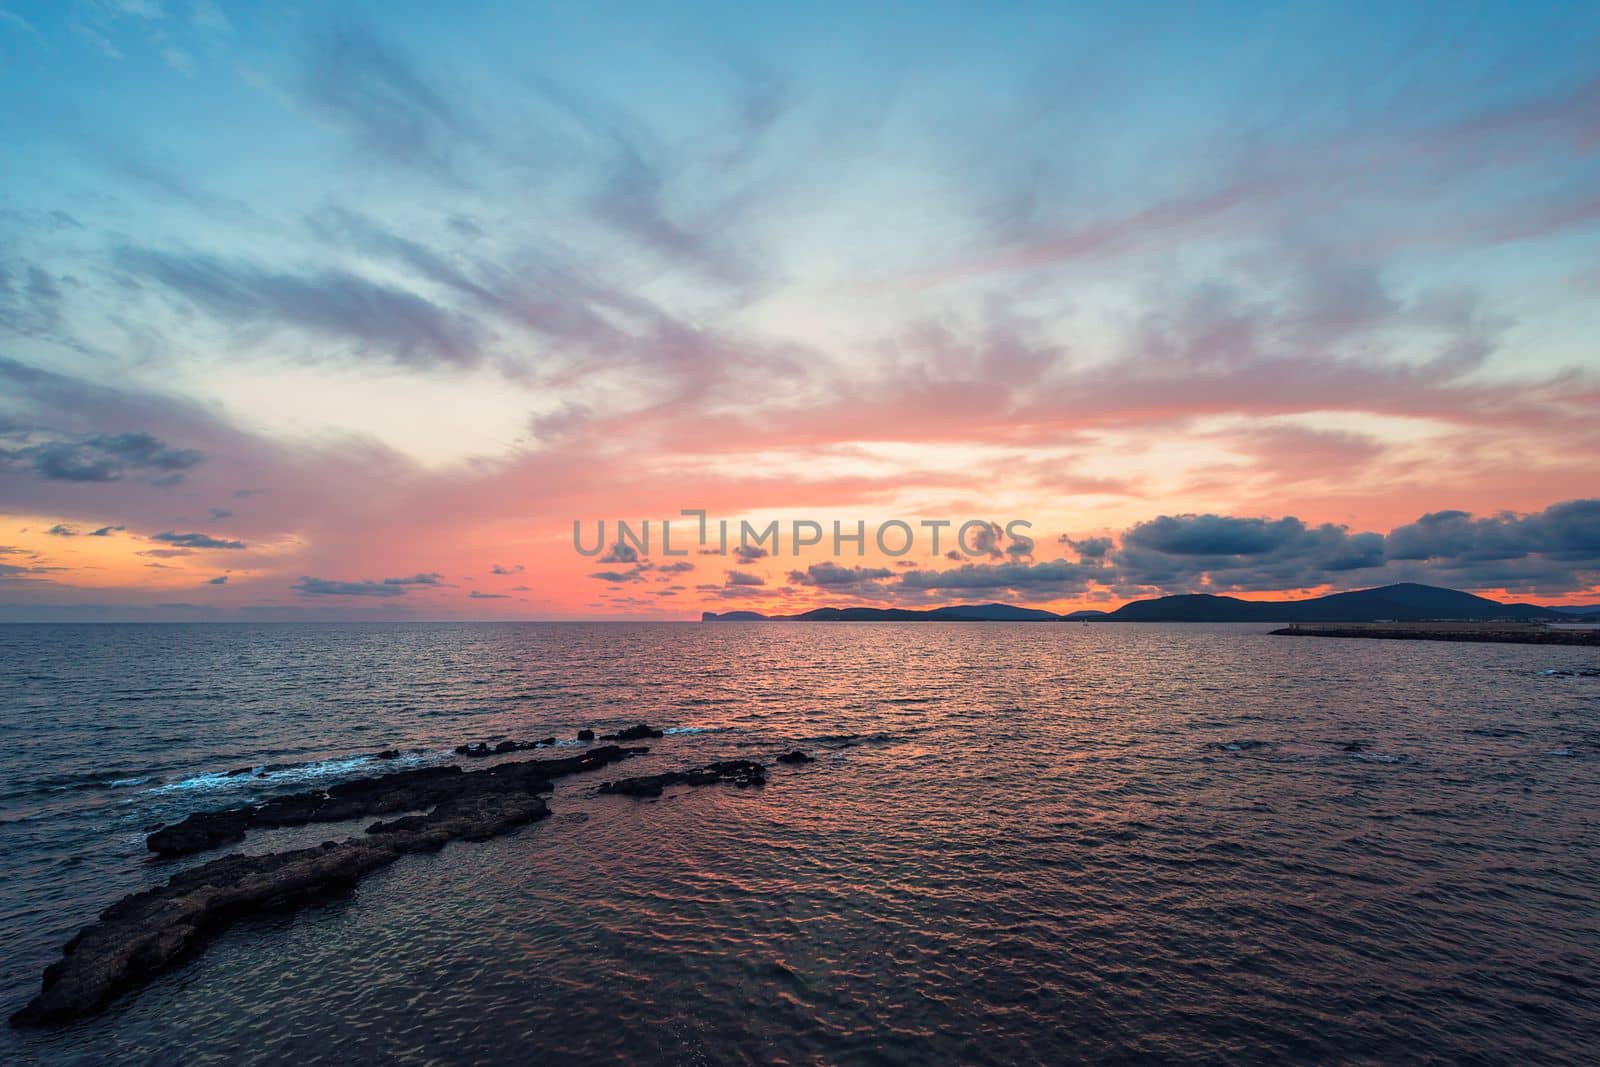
{"x":317,"y":316}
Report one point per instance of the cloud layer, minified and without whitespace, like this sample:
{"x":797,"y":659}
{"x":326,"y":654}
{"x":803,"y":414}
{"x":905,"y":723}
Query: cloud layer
{"x":446,"y":286}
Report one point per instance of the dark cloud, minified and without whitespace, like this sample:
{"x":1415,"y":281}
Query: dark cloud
{"x":195,"y":540}
{"x":16,"y":570}
{"x":985,"y":540}
{"x":1226,"y":553}
{"x":1569,"y":530}
{"x":1088,"y":547}
{"x":106,"y":531}
{"x":61,"y":529}
{"x":375,"y":319}
{"x":682,"y":566}
{"x":327,"y":587}
{"x":100,"y":457}
{"x":742,"y":578}
{"x":516,"y":569}
{"x":1020,"y":548}
{"x":632,"y":574}
{"x":475,"y":595}
{"x":1553,"y":551}
{"x":1211,"y":535}
{"x":748,"y":554}
{"x":1048,"y":580}
{"x":432,"y":578}
{"x":829,"y":575}
{"x":218,"y":514}
{"x":621,"y":553}
{"x":221,"y":579}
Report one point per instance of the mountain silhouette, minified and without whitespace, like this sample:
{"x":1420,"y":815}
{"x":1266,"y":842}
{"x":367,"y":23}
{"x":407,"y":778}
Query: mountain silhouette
{"x":1405,"y":602}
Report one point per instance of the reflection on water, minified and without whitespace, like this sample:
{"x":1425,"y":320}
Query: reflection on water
{"x":1020,"y":842}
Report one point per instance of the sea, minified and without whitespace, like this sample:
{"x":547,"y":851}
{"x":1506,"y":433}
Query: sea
{"x":1018,"y":843}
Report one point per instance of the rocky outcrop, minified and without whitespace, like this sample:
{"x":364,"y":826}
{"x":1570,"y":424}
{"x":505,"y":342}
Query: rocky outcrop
{"x":795,"y":757}
{"x":632,"y":733}
{"x":411,"y":790}
{"x":739,"y":772}
{"x":482,"y":748}
{"x":145,"y":933}
{"x":585,"y":735}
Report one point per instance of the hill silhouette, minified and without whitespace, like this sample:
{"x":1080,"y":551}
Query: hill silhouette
{"x":1404,"y":602}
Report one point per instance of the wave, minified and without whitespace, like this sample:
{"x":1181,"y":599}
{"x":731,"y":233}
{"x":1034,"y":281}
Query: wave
{"x":273,"y":774}
{"x":850,"y":740}
{"x":1242,"y":745}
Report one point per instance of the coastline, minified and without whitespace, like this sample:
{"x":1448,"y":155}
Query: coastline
{"x":1488,"y":633}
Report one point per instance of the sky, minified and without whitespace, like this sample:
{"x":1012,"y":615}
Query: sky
{"x":322,"y":312}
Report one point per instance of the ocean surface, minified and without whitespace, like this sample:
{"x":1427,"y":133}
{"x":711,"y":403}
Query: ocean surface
{"x":1041,"y":843}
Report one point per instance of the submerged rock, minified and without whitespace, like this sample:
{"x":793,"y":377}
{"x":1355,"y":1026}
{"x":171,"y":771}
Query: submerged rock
{"x":739,"y":772}
{"x":482,"y":747}
{"x":795,"y":757}
{"x":411,"y":790}
{"x":585,"y":735}
{"x":633,"y":733}
{"x":145,"y":933}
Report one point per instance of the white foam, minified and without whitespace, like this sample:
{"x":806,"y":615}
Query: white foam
{"x":217,"y":781}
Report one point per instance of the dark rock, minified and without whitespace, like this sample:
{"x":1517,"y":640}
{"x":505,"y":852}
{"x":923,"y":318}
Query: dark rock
{"x":411,"y":790}
{"x":585,"y":735}
{"x":388,"y":753}
{"x":145,"y":933}
{"x":482,"y":747}
{"x":795,"y":757}
{"x":1354,"y":746}
{"x":632,"y":733}
{"x":739,"y":772}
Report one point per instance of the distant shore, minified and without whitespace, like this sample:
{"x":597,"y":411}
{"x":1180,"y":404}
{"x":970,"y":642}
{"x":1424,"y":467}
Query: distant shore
{"x":1491,"y":632}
